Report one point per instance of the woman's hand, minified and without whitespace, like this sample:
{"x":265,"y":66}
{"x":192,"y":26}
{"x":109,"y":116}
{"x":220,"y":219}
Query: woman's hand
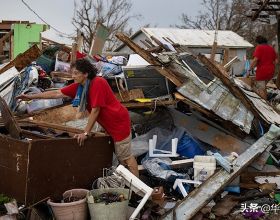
{"x":24,"y":97}
{"x":81,"y":138}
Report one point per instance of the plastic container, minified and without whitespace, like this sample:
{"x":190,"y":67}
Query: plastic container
{"x":204,"y":167}
{"x":46,"y":63}
{"x":115,"y":210}
{"x":189,"y":147}
{"x":72,"y":210}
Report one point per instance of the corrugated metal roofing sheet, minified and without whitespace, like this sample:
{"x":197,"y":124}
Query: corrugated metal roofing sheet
{"x":198,"y":38}
{"x":219,"y":100}
{"x":214,"y":97}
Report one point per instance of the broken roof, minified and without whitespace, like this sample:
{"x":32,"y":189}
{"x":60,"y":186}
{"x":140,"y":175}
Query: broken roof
{"x":194,"y":37}
{"x":232,"y":106}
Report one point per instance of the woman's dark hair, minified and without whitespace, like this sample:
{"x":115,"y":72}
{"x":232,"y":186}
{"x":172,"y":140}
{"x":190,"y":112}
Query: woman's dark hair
{"x":85,"y":66}
{"x":261,"y":40}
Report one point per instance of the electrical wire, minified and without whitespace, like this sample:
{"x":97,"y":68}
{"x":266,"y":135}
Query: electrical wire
{"x":43,"y":20}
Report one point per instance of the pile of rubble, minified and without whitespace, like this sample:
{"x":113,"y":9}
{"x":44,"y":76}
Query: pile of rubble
{"x":207,"y":145}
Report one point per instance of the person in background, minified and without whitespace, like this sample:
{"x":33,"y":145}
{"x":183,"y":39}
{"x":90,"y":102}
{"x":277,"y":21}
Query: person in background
{"x":92,"y":93}
{"x":264,"y":59}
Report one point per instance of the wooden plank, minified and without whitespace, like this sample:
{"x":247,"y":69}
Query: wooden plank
{"x":145,"y":43}
{"x":152,"y":104}
{"x":61,"y":127}
{"x":150,"y":59}
{"x":260,"y":105}
{"x":233,"y":88}
{"x":24,"y":59}
{"x":126,"y":96}
{"x":64,"y":75}
{"x":199,"y":197}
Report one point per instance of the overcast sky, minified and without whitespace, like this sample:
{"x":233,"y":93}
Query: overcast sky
{"x":59,"y":13}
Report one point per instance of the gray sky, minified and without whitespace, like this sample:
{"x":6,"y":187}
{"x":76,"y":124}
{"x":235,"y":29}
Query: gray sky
{"x":59,"y":13}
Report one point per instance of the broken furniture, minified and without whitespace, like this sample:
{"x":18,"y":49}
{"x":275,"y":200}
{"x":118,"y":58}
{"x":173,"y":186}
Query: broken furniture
{"x":136,"y":185}
{"x":179,"y":183}
{"x":153,"y":152}
{"x":35,"y":164}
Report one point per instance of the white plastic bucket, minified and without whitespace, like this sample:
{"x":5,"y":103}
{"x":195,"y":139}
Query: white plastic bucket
{"x":204,"y":167}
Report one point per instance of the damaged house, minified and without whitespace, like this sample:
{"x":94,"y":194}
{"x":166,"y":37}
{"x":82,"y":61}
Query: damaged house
{"x":229,"y":43}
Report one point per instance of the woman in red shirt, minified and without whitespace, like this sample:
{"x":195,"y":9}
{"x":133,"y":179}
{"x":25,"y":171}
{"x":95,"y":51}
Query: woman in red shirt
{"x":94,"y":94}
{"x":264,"y":60}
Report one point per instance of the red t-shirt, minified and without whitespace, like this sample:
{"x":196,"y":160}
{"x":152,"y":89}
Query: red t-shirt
{"x":266,"y":56}
{"x":113,"y":116}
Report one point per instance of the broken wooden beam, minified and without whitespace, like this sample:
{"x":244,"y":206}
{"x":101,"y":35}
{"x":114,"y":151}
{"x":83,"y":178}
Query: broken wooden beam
{"x":202,"y":195}
{"x":23,"y":59}
{"x":149,"y":58}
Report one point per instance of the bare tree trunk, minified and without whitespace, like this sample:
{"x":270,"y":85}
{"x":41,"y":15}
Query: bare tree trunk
{"x":114,"y":14}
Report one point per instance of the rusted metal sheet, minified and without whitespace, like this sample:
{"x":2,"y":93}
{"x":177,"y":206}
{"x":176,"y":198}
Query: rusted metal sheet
{"x":199,"y":197}
{"x":24,"y":59}
{"x":35,"y":169}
